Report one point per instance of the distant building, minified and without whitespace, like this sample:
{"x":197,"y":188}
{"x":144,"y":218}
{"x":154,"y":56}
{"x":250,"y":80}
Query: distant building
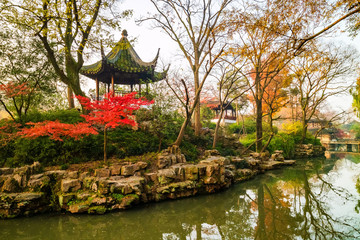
{"x":315,"y":124}
{"x":229,"y":115}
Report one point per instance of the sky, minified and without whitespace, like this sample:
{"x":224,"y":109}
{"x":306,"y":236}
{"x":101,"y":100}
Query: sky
{"x":149,"y":40}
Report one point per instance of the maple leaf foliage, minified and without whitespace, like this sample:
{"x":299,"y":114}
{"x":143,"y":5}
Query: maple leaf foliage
{"x":8,"y":129}
{"x":12,"y":89}
{"x":57,"y":130}
{"x":112,"y":111}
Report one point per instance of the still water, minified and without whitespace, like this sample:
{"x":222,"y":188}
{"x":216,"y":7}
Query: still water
{"x":316,"y":199}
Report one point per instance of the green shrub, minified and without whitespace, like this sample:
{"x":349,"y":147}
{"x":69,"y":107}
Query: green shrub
{"x":49,"y":152}
{"x":190,"y":151}
{"x":226,"y":151}
{"x":125,"y":142}
{"x":64,"y":116}
{"x":248,"y":140}
{"x":249,"y":126}
{"x":285,"y":142}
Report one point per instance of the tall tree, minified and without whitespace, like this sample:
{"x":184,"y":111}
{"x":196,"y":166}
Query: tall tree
{"x":65,"y":28}
{"x":231,"y":86}
{"x":263,"y":33}
{"x":342,"y":10}
{"x":318,"y":75}
{"x":192,"y":24}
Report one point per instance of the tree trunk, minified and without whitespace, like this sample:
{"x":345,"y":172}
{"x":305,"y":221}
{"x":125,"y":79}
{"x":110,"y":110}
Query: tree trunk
{"x":70,"y":98}
{"x":259,"y":130}
{"x":197,"y":117}
{"x":304,"y":129}
{"x":105,"y":145}
{"x":272,"y":132}
{"x":182,"y":131}
{"x":217,"y":128}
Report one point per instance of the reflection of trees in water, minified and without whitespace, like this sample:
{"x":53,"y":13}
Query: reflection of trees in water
{"x":309,"y":217}
{"x":319,"y":223}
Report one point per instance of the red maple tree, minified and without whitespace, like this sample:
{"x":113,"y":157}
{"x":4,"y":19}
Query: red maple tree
{"x":110,"y":112}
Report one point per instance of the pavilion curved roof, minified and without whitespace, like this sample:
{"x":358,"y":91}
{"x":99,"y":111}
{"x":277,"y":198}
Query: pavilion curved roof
{"x":124,"y":65}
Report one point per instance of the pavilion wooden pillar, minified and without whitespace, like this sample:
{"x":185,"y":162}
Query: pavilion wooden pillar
{"x":112,"y":85}
{"x":147,"y":88}
{"x":97,"y":89}
{"x":139,"y":89}
{"x":131,"y":88}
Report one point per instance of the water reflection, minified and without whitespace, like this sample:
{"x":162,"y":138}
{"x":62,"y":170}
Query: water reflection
{"x":314,"y":200}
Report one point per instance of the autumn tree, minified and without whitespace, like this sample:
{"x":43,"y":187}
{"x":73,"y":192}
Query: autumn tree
{"x":57,"y":130}
{"x":112,"y":111}
{"x":65,"y":29}
{"x":231,"y":86}
{"x":192,"y":25}
{"x":318,"y":75}
{"x":342,"y":10}
{"x":263,"y":34}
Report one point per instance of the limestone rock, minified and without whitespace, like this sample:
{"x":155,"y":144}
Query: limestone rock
{"x":191,"y":172}
{"x":128,"y":170}
{"x":35,"y":167}
{"x":72,"y":174}
{"x":56,"y":174}
{"x":38,"y":181}
{"x":115,"y":170}
{"x":141,"y":165}
{"x":10,"y":185}
{"x":102,"y":172}
{"x":64,"y":199}
{"x":212,"y":152}
{"x":79,"y":208}
{"x":6,"y":171}
{"x":70,"y":185}
{"x":166,"y":176}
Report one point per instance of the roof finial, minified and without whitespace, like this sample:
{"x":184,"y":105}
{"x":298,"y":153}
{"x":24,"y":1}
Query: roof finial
{"x":124,"y":33}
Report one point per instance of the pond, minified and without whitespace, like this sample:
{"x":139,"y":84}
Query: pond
{"x":316,"y":199}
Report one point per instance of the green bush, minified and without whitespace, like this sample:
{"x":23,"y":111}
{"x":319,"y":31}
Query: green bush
{"x":64,"y":116}
{"x":248,"y":140}
{"x":125,"y":142}
{"x":49,"y":152}
{"x":190,"y":151}
{"x":249,"y":125}
{"x":285,"y":142}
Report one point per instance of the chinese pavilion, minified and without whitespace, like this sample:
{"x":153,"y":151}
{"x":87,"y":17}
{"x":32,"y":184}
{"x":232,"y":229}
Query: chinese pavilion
{"x":123,"y":66}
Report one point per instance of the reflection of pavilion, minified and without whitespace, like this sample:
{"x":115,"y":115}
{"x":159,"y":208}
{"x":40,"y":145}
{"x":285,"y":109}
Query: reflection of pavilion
{"x":123,"y":66}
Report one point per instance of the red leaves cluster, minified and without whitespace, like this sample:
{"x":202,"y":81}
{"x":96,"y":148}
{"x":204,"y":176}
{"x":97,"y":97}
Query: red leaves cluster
{"x":8,"y":129}
{"x":112,"y":111}
{"x":12,"y":89}
{"x":56,"y":130}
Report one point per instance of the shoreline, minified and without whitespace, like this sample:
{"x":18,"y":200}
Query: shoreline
{"x":26,"y":191}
